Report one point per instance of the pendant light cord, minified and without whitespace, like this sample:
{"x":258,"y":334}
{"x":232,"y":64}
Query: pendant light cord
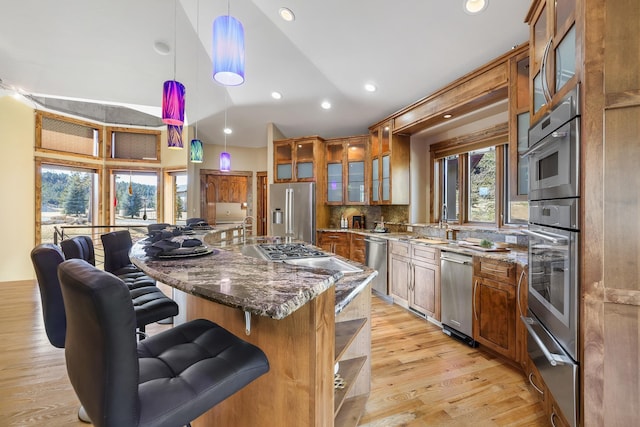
{"x":175,"y":37}
{"x":225,"y":119}
{"x":197,"y":60}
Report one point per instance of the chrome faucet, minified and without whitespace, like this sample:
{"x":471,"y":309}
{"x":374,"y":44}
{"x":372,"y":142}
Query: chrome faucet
{"x":443,"y":216}
{"x":244,"y":226}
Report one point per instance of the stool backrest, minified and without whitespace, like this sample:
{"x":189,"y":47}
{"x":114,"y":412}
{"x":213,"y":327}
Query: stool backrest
{"x":116,"y":246}
{"x":79,"y":247}
{"x":101,"y":351}
{"x":194,"y":221}
{"x":46,"y":258}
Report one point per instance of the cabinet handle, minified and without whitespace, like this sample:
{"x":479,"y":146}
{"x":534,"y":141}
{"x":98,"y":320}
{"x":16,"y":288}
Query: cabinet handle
{"x":552,"y":417}
{"x":518,"y":292}
{"x":475,"y":286}
{"x":543,"y":69}
{"x":539,"y":390}
{"x":333,"y":237}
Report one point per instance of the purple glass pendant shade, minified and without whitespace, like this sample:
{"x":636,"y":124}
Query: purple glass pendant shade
{"x":174,"y":137}
{"x":197,"y":151}
{"x":225,"y":161}
{"x":228,"y":51}
{"x":173,"y":103}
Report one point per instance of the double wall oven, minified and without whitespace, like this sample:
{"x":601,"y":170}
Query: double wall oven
{"x":554,"y":233}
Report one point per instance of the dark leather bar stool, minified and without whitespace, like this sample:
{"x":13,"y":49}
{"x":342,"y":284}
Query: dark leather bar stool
{"x":167,"y":380}
{"x":150,"y":303}
{"x":116,"y":246}
{"x":195,"y":221}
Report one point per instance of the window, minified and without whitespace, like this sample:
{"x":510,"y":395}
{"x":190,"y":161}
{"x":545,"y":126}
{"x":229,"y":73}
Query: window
{"x":177,"y":180}
{"x":133,"y":144}
{"x":136,"y":197}
{"x":482,"y":185}
{"x":469,"y":183}
{"x":68,"y":197}
{"x":67,"y":135}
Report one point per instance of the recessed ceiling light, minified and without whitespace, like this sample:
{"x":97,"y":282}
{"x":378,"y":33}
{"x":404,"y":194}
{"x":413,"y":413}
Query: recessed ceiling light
{"x":447,"y":116}
{"x":286,"y":14}
{"x":161,"y":48}
{"x":473,"y":7}
{"x":326,"y":105}
{"x":276,"y":95}
{"x":370,"y":87}
{"x":228,"y":131}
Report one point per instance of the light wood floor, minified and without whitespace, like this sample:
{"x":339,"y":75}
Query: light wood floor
{"x":421,"y":377}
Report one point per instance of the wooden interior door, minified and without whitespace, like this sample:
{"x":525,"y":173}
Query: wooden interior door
{"x":211,"y":199}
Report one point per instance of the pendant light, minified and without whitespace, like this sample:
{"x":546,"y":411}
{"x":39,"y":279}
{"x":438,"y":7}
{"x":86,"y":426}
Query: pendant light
{"x":173,"y":91}
{"x":225,"y":158}
{"x":228,"y":50}
{"x":195,"y":147}
{"x":174,"y":137}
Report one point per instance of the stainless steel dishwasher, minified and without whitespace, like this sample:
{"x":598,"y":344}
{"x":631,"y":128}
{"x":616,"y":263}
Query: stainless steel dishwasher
{"x":376,"y":257}
{"x":456,"y":293}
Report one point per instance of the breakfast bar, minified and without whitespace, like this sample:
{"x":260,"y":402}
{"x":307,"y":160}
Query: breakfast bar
{"x":313,"y":324}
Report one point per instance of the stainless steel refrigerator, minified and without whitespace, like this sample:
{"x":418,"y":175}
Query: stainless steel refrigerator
{"x":293,"y":211}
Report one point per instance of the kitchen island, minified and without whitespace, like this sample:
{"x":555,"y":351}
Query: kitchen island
{"x":304,"y":319}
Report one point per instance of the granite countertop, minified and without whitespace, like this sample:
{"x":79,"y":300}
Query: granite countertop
{"x":514,"y":254}
{"x":264,"y":288}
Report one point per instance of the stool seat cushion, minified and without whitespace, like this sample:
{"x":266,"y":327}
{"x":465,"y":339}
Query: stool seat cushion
{"x":198,"y":362}
{"x":151,"y":305}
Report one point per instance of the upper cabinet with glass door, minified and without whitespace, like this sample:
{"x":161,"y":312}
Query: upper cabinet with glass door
{"x":389,"y":166}
{"x":346,"y":163}
{"x":295,"y":160}
{"x":552,"y":44}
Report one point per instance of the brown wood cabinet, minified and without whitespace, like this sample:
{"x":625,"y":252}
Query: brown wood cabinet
{"x":297,"y":159}
{"x":553,"y":52}
{"x":357,"y":248}
{"x":232,"y":189}
{"x":414,"y":277}
{"x":335,"y":242}
{"x":346,"y":163}
{"x":389,"y":166}
{"x":494,"y":305}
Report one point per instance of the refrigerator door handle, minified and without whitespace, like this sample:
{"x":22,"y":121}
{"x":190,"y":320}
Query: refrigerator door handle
{"x":289,"y":209}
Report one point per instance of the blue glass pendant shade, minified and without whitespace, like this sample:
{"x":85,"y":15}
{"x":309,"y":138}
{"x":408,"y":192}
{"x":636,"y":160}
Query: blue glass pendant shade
{"x":174,"y":137}
{"x":197,"y":151}
{"x":228,"y":51}
{"x":173,"y":103}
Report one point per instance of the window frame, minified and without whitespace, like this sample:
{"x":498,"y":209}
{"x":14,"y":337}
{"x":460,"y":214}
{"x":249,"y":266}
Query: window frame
{"x":111,"y":130}
{"x":496,"y":136}
{"x":99,"y":128}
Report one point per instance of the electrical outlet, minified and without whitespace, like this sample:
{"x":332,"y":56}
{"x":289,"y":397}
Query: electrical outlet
{"x":511,"y":239}
{"x":409,"y":228}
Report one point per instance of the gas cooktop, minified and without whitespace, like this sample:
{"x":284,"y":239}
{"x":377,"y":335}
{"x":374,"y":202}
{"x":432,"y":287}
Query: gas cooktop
{"x":284,"y":251}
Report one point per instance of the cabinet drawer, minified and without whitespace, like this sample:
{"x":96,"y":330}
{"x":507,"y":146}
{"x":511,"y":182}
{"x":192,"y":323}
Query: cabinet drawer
{"x":399,"y":248}
{"x":502,"y":271}
{"x":425,"y":253}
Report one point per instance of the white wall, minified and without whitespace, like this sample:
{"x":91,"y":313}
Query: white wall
{"x":17,"y":180}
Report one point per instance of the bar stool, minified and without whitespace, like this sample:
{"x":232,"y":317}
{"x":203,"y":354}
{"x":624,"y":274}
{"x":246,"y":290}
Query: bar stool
{"x":166,"y":380}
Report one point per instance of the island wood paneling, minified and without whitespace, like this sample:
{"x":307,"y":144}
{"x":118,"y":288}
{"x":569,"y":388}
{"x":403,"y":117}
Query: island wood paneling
{"x":298,"y":389}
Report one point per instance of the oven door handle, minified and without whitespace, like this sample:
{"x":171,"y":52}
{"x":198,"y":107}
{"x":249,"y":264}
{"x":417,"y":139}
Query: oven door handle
{"x":553,"y":358}
{"x":541,"y":144}
{"x":555,"y":240}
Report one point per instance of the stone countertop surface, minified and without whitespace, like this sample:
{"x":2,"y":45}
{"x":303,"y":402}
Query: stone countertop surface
{"x":264,"y":288}
{"x":515,"y":254}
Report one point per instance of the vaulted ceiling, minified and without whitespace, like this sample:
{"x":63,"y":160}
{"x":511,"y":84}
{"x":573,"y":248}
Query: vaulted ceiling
{"x":103,"y":51}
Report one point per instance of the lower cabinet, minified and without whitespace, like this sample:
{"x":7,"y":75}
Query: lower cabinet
{"x":494,"y":305}
{"x":335,"y":242}
{"x":414,"y":277}
{"x":357,"y":248}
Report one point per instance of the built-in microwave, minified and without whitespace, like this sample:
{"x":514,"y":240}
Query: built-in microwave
{"x":554,"y":153}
